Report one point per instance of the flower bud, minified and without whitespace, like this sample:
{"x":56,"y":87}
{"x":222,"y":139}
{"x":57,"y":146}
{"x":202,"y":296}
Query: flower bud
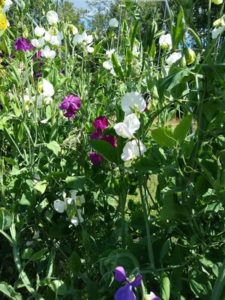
{"x":190,"y":56}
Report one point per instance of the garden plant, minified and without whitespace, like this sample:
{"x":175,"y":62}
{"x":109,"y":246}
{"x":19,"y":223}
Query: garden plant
{"x":112,"y":151}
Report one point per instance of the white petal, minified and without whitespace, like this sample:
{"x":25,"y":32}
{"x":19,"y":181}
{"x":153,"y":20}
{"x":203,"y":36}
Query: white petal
{"x":174,"y":57}
{"x":165,"y":41}
{"x":132,"y":149}
{"x":113,"y":23}
{"x":78,"y":39}
{"x":48,"y":89}
{"x":74,"y":221}
{"x":133,"y":101}
{"x":39,"y":31}
{"x":59,"y":206}
{"x":52,"y":17}
{"x":122,"y":130}
{"x":38,"y":43}
{"x":108,"y":65}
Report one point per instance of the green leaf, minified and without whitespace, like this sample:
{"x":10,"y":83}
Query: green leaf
{"x":39,"y":255}
{"x":9,"y":291}
{"x":54,"y":147}
{"x":75,"y":182}
{"x":164,"y":137}
{"x":165,"y":287}
{"x":179,"y":29}
{"x":117,"y":67}
{"x":5,"y":219}
{"x":106,"y":150}
{"x":182,"y":129}
{"x":41,"y":186}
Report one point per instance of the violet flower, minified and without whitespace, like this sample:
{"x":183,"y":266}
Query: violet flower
{"x":71,"y":104}
{"x":126,"y":292}
{"x":23,"y":44}
{"x":95,"y":158}
{"x":101,"y":123}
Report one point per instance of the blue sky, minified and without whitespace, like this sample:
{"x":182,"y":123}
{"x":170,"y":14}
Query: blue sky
{"x":79,"y":3}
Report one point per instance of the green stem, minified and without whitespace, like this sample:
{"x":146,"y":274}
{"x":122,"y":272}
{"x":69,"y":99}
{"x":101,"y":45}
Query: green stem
{"x":149,"y":241}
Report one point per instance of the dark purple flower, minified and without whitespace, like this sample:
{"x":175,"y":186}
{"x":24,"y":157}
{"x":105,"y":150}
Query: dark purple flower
{"x":100,"y":123}
{"x":23,"y":44}
{"x":110,"y":139}
{"x":71,"y":104}
{"x":126,"y":292}
{"x":95,"y":158}
{"x":96,"y":135}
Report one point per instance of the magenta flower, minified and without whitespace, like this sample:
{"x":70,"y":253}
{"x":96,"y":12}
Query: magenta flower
{"x":23,"y":44}
{"x":125,"y":292}
{"x":95,"y":158}
{"x":71,"y":104}
{"x":96,"y":135}
{"x":110,"y":139}
{"x":101,"y":123}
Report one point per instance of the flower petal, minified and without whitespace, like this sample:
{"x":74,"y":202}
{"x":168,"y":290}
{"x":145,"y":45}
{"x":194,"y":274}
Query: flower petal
{"x":125,"y":293}
{"x":120,"y":274}
{"x":137,"y":281}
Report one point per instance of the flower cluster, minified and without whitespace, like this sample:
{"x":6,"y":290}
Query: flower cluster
{"x":45,"y":39}
{"x":100,"y":124}
{"x":132,"y":104}
{"x":72,"y":206}
{"x":85,"y":40}
{"x":71,"y":104}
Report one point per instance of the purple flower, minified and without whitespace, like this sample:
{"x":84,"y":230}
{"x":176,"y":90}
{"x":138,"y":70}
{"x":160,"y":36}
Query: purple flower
{"x":100,"y":123}
{"x":95,"y":158}
{"x":71,"y":104}
{"x":96,"y":135}
{"x":126,"y":292}
{"x":23,"y":44}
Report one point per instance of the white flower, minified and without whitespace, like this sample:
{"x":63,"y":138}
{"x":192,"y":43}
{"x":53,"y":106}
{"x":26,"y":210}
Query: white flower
{"x":165,"y":41}
{"x":78,"y":39}
{"x":90,"y":49}
{"x":113,"y":23}
{"x":107,"y":65}
{"x":87,"y":38}
{"x":56,"y":40}
{"x":174,"y":57}
{"x":52,"y":17}
{"x":132,"y":101}
{"x":59,"y":206}
{"x":7,"y":5}
{"x":74,"y":221}
{"x":110,"y":52}
{"x":133,"y":149}
{"x":38,"y":43}
{"x":39,"y":31}
{"x":128,"y":127}
{"x":48,"y":53}
{"x":47,"y":88}
{"x":217,"y":31}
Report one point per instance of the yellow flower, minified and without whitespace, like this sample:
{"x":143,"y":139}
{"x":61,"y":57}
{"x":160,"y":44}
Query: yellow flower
{"x":217,"y":2}
{"x":3,"y":21}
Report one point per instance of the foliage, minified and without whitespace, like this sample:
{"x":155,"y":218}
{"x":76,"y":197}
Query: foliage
{"x":66,"y":222}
